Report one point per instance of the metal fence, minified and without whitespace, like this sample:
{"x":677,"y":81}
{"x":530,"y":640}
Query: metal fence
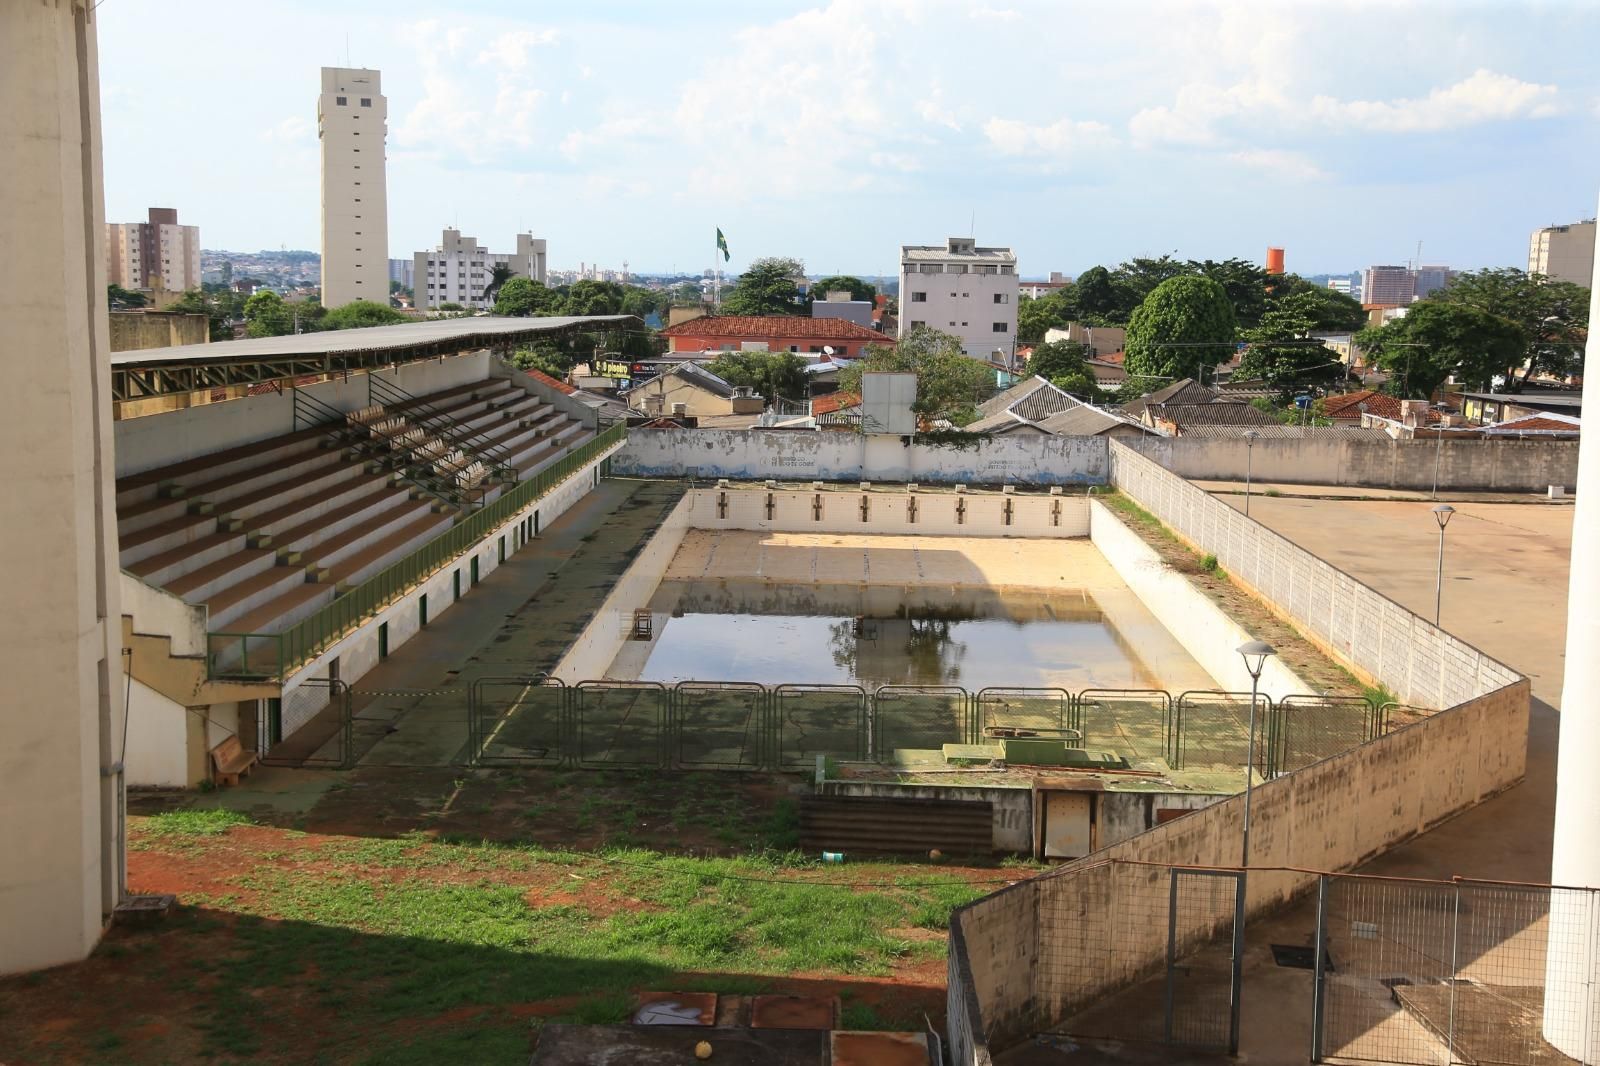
{"x":310,"y":726}
{"x":537,"y":720}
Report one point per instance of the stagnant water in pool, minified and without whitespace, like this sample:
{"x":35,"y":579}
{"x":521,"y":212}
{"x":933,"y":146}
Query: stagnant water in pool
{"x":878,"y":635}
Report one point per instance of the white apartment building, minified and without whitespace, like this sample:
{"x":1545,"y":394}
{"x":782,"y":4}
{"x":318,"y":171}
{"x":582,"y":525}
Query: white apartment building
{"x":352,"y":122}
{"x":158,"y":254}
{"x":962,"y":289}
{"x":459,"y":270}
{"x":1564,"y":253}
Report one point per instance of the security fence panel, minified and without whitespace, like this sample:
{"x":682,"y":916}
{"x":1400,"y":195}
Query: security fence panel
{"x":1202,"y":982}
{"x":619,"y":723}
{"x":1045,"y":711}
{"x":923,"y":717}
{"x":1134,"y":723}
{"x":812,"y":720}
{"x":1212,"y":730}
{"x":521,"y":720}
{"x":310,"y":726}
{"x":1308,"y":729}
{"x":1386,"y":978}
{"x":719,"y":725}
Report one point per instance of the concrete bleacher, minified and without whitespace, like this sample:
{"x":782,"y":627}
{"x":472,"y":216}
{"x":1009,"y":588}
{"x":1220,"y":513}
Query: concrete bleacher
{"x":266,"y":533}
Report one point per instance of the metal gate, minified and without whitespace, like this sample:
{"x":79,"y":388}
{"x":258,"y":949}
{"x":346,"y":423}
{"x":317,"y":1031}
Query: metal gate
{"x":918,"y":717}
{"x":1205,"y":929}
{"x":519,"y":720}
{"x":718,"y":725}
{"x":308,"y":727}
{"x":618,"y":723}
{"x":813,"y":720}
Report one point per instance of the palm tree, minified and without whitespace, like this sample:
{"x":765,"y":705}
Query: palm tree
{"x":497,"y":277}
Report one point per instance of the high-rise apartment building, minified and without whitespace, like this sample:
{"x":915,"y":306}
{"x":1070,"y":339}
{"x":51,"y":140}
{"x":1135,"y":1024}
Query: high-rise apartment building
{"x":1565,"y":253}
{"x":1394,"y":286}
{"x":458,"y":271}
{"x":352,"y":121}
{"x":158,"y":254}
{"x":963,"y":289}
{"x":1430,"y":279}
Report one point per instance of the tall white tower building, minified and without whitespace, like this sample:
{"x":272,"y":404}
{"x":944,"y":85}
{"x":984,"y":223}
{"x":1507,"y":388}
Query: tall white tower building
{"x":964,"y":289}
{"x":352,"y":120}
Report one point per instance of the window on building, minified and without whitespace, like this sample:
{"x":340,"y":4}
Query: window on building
{"x":1001,"y":327}
{"x":794,"y":348}
{"x":916,"y":322}
{"x":341,"y":101}
{"x":966,"y":295}
{"x":919,"y":297}
{"x":366,"y":101}
{"x":1002,"y":298}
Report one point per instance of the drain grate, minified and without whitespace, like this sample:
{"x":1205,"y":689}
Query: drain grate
{"x":1299,"y":957}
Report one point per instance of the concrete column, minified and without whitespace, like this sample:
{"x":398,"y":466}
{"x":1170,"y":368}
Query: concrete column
{"x":1572,"y":969}
{"x":61,"y":632}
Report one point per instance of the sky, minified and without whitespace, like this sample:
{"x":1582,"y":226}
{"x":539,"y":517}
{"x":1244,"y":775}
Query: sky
{"x":1075,"y":133}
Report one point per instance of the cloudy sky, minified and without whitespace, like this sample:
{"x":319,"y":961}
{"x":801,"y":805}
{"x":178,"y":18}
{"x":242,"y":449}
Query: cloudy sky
{"x":1077,"y":133}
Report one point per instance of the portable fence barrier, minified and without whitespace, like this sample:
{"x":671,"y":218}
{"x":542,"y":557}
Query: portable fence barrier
{"x":725,"y":725}
{"x":309,"y":726}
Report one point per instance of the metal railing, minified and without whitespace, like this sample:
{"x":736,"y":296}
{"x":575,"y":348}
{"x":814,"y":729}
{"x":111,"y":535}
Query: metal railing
{"x":414,"y":409}
{"x":276,"y":655}
{"x":536,"y":720}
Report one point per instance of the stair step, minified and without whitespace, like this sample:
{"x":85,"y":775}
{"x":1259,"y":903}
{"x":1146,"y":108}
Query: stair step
{"x":241,"y":598}
{"x":168,"y":566}
{"x":163,"y":536}
{"x":380,"y":498}
{"x":282,"y":611}
{"x":291,"y":514}
{"x":273,"y":498}
{"x":341,"y":545}
{"x":382,"y":552}
{"x":205,"y":582}
{"x":132,"y":487}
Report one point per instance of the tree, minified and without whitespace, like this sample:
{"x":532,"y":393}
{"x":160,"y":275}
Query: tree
{"x":545,"y":357}
{"x":521,"y":297}
{"x":1037,"y":317}
{"x":358,"y":314}
{"x":642,"y":303}
{"x":858,"y":289}
{"x":1185,"y":325}
{"x":1062,"y":364}
{"x":220,"y":307}
{"x":1334,"y":311}
{"x":266,"y":315}
{"x":499,"y":274}
{"x":1096,"y":294}
{"x":588,"y":297}
{"x":1282,"y":354}
{"x":1243,"y":281}
{"x":1553,"y":317}
{"x":1136,"y":279}
{"x":773,"y":374}
{"x":119,"y":299}
{"x":1436,"y":340}
{"x":767,"y":288}
{"x":950,"y":384}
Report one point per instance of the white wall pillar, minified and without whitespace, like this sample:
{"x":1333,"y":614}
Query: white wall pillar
{"x":1572,"y":969}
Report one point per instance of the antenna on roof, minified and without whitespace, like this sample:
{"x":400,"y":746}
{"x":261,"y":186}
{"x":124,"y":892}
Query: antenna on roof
{"x":972,"y":224}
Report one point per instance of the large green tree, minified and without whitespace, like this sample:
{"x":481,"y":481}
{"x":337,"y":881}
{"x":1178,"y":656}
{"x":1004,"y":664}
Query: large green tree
{"x":1062,"y":363}
{"x":1183,"y":327}
{"x":1436,"y":340}
{"x":521,"y":297}
{"x":1553,"y":317}
{"x":1096,"y":296}
{"x":1037,"y":317}
{"x":266,"y":315}
{"x":858,"y":289}
{"x":768,"y":287}
{"x":120,"y":299}
{"x":950,"y":384}
{"x":1334,"y":311}
{"x":1282,"y":353}
{"x":590,"y":297}
{"x":1243,"y":281}
{"x":772,"y":374}
{"x":358,"y":314}
{"x":221,"y":308}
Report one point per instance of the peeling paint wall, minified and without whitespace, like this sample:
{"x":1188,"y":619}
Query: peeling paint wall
{"x":826,"y":456}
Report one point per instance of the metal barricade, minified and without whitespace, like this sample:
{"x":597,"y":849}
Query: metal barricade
{"x":309,"y":726}
{"x":1136,"y":723}
{"x":619,"y":723}
{"x":812,"y":720}
{"x":519,"y":720}
{"x":919,"y":717}
{"x":718,"y":725}
{"x":1213,"y":729}
{"x":1307,"y":729}
{"x":1048,"y":710}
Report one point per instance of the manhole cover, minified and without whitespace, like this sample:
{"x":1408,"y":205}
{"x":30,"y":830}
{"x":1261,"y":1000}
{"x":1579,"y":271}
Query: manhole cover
{"x":1298,"y":957}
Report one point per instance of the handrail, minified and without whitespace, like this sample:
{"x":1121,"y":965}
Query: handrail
{"x":276,"y":654}
{"x":418,"y":410}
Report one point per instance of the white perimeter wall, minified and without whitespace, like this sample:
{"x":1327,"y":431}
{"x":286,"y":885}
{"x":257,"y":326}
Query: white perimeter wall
{"x":158,"y":746}
{"x":934,"y":514}
{"x":1209,"y":636}
{"x":830,"y":456}
{"x":158,"y":440}
{"x":358,"y":652}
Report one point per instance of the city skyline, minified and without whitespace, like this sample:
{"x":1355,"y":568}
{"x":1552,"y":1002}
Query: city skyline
{"x":837,"y":132}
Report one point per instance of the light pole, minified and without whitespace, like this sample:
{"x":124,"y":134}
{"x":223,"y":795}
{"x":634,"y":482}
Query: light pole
{"x":1438,"y":450}
{"x":1255,"y":655}
{"x":1250,"y":436}
{"x":1441,"y":515}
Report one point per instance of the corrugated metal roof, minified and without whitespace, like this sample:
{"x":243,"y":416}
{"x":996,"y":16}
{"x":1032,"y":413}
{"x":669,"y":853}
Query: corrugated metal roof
{"x":933,"y":253}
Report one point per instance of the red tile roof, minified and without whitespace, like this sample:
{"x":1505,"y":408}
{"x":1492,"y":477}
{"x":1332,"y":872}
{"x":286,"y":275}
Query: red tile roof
{"x":1530,"y":422}
{"x":833,"y":401}
{"x":772,"y":327}
{"x":559,"y":386}
{"x":1348,"y":405}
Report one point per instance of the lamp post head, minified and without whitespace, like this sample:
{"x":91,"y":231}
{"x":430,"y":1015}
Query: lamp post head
{"x":1255,"y":655}
{"x":1250,"y":436}
{"x":1441,"y":515}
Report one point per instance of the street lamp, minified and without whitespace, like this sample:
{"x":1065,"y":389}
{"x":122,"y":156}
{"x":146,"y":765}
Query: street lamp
{"x":1438,"y":452}
{"x":1250,"y":436}
{"x":1441,"y":515}
{"x":1255,"y":655}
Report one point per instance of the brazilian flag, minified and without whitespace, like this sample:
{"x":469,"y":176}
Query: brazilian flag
{"x":722,"y":245}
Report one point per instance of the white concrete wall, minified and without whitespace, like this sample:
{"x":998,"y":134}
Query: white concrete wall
{"x":1209,"y":636}
{"x":158,"y":746}
{"x":358,"y":652}
{"x":935,"y":514}
{"x":158,"y":440}
{"x":828,"y":456}
{"x":157,"y":612}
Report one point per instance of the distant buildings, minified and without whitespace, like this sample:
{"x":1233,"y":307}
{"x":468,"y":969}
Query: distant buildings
{"x":1033,"y":290}
{"x":840,"y":305}
{"x":1430,"y":279}
{"x":1565,"y":253}
{"x":798,"y":334}
{"x":158,"y":254}
{"x":962,"y":289}
{"x":459,"y":271}
{"x":352,"y":121}
{"x":404,"y":272}
{"x":1341,"y":285}
{"x":1391,"y":286}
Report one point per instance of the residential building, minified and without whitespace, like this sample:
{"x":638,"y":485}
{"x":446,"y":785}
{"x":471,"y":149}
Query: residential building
{"x":1537,"y":426}
{"x":1180,"y":419}
{"x":1390,"y":286}
{"x":1033,"y":290}
{"x":1100,"y":340}
{"x":964,"y":289}
{"x":1035,"y":407}
{"x":404,"y":271}
{"x":352,"y":123}
{"x":799,"y":334}
{"x":157,"y":254}
{"x":459,"y":270}
{"x":691,"y":391}
{"x":1487,"y":408}
{"x":1341,"y":286}
{"x":840,"y":305}
{"x":1565,"y":253}
{"x":1430,"y":279}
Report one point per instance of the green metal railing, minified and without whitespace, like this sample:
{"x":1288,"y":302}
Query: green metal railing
{"x":274,"y":655}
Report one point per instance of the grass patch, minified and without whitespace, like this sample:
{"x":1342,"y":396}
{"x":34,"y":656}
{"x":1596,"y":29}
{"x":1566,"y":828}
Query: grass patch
{"x":1208,"y":563}
{"x":193,"y":823}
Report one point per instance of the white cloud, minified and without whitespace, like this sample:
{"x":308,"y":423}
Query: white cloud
{"x":473,"y":114}
{"x":995,"y":14}
{"x":1060,"y":138}
{"x":1486,"y":96}
{"x":1295,"y":166}
{"x":1193,"y":115}
{"x":509,"y":51}
{"x":292,"y":130}
{"x":931,"y":109}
